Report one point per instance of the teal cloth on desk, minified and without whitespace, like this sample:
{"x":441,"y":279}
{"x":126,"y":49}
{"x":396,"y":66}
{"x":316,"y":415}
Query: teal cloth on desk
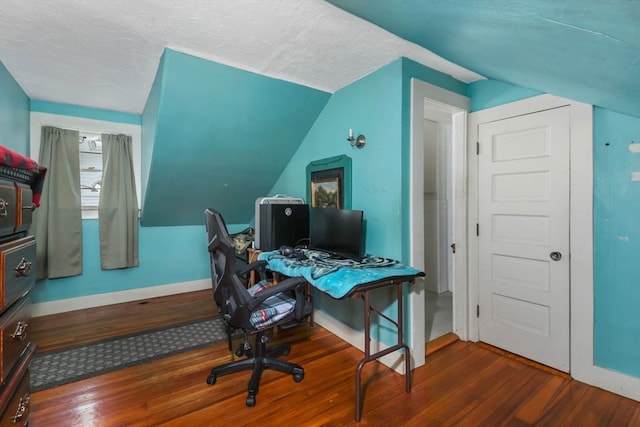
{"x":336,"y":277}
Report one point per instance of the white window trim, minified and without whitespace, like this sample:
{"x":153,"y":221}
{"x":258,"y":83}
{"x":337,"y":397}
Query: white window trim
{"x":90,"y":125}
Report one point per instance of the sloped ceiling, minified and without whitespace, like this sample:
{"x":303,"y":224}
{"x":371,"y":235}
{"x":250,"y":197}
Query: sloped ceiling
{"x":586,"y":50}
{"x":216,"y":133}
{"x":105,"y":53}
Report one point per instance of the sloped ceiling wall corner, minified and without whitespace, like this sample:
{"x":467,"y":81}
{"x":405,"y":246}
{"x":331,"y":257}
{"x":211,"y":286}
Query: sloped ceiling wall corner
{"x":586,"y":50}
{"x":221,"y":139}
{"x":149,"y":122}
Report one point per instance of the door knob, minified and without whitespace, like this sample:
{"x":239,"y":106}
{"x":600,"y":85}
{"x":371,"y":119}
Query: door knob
{"x":556,"y":256}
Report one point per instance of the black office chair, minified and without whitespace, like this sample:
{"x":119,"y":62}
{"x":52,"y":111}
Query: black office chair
{"x":252,"y":310}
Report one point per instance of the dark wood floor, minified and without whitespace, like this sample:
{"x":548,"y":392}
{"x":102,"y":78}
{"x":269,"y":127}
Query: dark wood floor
{"x":461,"y":384}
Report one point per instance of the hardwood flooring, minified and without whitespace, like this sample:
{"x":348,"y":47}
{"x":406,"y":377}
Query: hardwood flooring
{"x":462,"y":383}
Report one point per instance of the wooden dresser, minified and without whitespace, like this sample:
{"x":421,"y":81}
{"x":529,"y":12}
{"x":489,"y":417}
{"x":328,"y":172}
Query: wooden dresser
{"x":17,"y":278}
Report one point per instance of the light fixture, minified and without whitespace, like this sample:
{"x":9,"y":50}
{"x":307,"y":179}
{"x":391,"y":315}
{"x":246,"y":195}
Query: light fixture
{"x":356,"y":142}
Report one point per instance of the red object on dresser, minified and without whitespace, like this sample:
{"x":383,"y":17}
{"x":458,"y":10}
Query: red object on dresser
{"x":15,"y":160}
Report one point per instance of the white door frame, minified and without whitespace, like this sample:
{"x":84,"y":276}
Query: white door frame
{"x":581,"y":187}
{"x":466,"y":259}
{"x":458,"y":106}
{"x":581,"y":237}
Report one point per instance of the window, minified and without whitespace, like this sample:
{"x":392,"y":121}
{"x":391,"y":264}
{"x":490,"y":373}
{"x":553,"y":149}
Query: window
{"x":90,"y":169}
{"x":90,"y":128}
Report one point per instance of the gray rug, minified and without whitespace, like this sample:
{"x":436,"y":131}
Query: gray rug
{"x":60,"y":367}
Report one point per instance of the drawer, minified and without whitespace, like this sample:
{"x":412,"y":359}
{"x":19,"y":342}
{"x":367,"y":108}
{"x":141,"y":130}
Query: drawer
{"x":24,"y":202}
{"x":16,"y":412}
{"x":18,"y":270}
{"x":15,"y":334}
{"x":8,"y":213}
{"x":16,"y":207}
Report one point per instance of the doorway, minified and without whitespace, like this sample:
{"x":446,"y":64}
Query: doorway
{"x":438,"y":238}
{"x":446,"y":114}
{"x":466,"y":258}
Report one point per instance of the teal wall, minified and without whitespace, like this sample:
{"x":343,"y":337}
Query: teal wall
{"x":14,"y":114}
{"x":222,"y":137}
{"x":84,"y":112}
{"x":491,"y":93}
{"x":149,"y":120}
{"x":617,"y":242}
{"x":371,"y":106}
{"x":378,"y":106}
{"x":167,"y":255}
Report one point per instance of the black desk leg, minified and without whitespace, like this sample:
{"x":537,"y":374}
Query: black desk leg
{"x":368,"y":357}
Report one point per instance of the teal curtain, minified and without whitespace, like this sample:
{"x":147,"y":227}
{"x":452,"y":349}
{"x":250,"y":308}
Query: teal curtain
{"x":57,"y":223}
{"x":118,"y":208}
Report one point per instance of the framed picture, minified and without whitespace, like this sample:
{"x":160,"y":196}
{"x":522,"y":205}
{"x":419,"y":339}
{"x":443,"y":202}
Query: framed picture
{"x":329,"y":183}
{"x":325,"y":192}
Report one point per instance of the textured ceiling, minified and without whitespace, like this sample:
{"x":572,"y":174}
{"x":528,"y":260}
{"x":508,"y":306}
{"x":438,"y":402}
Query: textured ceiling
{"x":104,"y":54}
{"x":586,"y":50}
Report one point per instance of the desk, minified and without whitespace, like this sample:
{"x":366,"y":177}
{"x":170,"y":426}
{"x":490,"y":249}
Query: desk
{"x":349,"y":279}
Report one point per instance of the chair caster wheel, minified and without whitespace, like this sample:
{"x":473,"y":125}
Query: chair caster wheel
{"x":239,"y":351}
{"x":298,"y":377}
{"x":251,"y":400}
{"x":211,"y":379}
{"x":286,"y":351}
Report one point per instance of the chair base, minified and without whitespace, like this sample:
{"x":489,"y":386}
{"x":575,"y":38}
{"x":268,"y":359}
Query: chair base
{"x":258,"y":361}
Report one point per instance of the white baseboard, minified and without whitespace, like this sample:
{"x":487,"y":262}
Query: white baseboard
{"x":609,"y":380}
{"x":99,"y":300}
{"x":393,"y":360}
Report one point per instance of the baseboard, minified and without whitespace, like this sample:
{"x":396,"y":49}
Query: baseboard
{"x":99,"y":300}
{"x":393,"y":360}
{"x":615,"y":382}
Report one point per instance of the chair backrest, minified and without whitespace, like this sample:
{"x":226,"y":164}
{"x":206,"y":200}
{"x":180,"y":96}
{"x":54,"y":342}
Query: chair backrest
{"x":229,"y":292}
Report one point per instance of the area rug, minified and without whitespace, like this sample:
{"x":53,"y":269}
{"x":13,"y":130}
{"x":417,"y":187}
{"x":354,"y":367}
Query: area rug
{"x":55,"y":368}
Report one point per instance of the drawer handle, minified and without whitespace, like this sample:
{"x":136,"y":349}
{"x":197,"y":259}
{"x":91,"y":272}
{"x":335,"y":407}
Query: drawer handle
{"x":31,"y":207}
{"x":3,"y":207}
{"x":23,"y":408}
{"x":23,"y":268}
{"x":21,"y":331}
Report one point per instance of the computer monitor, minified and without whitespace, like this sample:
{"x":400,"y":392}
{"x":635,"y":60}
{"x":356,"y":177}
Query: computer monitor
{"x":339,"y":232}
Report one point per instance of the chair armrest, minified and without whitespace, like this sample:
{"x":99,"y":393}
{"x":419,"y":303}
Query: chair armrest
{"x":293,"y":283}
{"x":257,"y":265}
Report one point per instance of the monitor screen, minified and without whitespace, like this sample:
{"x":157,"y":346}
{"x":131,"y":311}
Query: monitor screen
{"x":337,"y":231}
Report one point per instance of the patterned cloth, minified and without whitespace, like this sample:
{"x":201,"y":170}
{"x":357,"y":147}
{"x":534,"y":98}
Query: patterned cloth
{"x":272,"y":309}
{"x":242,"y":240}
{"x":18,"y":161}
{"x":337,"y":277}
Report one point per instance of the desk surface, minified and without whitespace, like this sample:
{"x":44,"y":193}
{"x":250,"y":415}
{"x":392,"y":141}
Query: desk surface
{"x":339,"y":277}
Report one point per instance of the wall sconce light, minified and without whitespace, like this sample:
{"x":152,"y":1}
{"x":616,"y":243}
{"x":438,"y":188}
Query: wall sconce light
{"x":358,"y":142}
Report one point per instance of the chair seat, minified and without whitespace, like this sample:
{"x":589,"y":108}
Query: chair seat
{"x":272,"y":310}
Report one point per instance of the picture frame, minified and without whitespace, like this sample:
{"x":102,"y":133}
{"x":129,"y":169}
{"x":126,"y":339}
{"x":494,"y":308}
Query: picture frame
{"x":331,"y":175}
{"x":325,"y":192}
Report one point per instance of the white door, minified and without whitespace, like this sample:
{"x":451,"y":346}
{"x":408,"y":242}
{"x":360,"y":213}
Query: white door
{"x":523,"y":235}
